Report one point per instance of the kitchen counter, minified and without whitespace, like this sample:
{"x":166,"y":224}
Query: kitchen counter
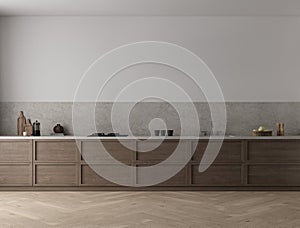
{"x":152,"y":137}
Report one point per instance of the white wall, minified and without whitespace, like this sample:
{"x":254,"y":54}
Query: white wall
{"x":253,"y":59}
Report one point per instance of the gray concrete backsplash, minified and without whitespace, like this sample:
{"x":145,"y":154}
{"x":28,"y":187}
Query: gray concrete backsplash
{"x":144,"y":117}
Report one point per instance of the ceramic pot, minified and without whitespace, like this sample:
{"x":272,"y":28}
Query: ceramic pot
{"x":58,"y":129}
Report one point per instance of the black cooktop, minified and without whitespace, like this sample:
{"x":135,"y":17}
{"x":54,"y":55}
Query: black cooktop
{"x":100,"y":134}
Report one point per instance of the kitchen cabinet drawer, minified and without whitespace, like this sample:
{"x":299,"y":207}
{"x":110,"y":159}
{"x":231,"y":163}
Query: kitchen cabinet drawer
{"x":274,"y":151}
{"x":90,"y":178}
{"x":56,"y":175}
{"x":93,"y":151}
{"x":218,"y":175}
{"x":230,"y":151}
{"x":156,"y":152}
{"x":274,"y":175}
{"x":16,"y":175}
{"x":15,"y":151}
{"x":56,"y":151}
{"x":178,"y":179}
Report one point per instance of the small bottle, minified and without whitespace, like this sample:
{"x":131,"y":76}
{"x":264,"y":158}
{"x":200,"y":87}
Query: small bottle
{"x":280,"y":129}
{"x":36,"y":128}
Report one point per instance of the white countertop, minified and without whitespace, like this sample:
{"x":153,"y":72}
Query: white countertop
{"x":145,"y":137}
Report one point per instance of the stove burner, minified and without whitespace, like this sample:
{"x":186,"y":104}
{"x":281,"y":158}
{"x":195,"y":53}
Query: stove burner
{"x":101,"y":134}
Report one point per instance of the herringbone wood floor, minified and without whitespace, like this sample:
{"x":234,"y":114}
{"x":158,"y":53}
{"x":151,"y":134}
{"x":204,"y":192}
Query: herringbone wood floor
{"x":150,"y":209}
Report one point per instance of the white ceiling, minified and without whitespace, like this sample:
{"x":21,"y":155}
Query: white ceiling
{"x":152,"y":7}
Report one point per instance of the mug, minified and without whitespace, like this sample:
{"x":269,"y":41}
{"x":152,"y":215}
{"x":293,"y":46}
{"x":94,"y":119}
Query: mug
{"x":162,"y":132}
{"x":156,"y":132}
{"x":170,"y":132}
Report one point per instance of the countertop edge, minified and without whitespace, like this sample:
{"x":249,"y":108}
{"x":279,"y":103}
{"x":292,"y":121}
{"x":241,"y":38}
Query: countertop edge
{"x":149,"y":138}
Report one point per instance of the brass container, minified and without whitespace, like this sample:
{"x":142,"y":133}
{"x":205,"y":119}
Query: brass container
{"x":280,"y":129}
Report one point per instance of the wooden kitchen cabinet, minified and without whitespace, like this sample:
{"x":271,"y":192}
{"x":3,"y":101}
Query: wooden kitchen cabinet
{"x":274,"y":151}
{"x":181,"y":178}
{"x":153,"y":152}
{"x":273,"y":163}
{"x":274,"y":175}
{"x":16,"y":163}
{"x":55,"y":163}
{"x":88,"y":177}
{"x":55,"y":151}
{"x":94,"y":151}
{"x":16,"y":151}
{"x":55,"y":175}
{"x":15,"y":175}
{"x":218,"y":175}
{"x":254,"y":163}
{"x":231,"y":151}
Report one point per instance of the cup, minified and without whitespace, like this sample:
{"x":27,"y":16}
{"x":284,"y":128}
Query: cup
{"x":162,"y":132}
{"x":156,"y":132}
{"x":170,"y":132}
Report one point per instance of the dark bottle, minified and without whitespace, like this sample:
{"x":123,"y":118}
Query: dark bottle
{"x":36,"y":128}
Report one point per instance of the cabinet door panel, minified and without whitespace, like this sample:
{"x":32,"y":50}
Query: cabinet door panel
{"x":55,"y":175}
{"x":218,"y":175}
{"x":56,"y":151}
{"x":230,"y":151}
{"x":178,"y":179}
{"x":16,"y":175}
{"x":274,"y":175}
{"x":152,"y":151}
{"x":275,"y":151}
{"x":15,"y":151}
{"x":93,"y":151}
{"x":90,"y":178}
